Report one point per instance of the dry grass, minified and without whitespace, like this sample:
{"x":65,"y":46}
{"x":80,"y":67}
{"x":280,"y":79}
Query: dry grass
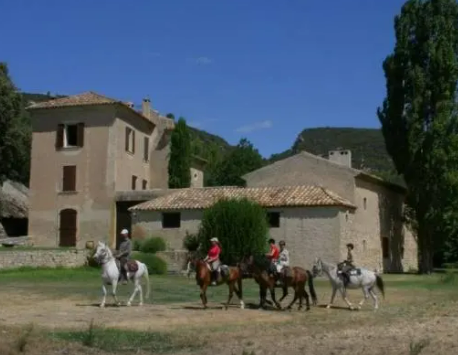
{"x":419,"y":316}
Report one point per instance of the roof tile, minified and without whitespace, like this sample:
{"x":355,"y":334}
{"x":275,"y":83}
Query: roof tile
{"x":272,"y":196}
{"x":86,"y":98}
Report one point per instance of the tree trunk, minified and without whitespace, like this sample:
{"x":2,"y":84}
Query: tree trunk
{"x":425,"y":248}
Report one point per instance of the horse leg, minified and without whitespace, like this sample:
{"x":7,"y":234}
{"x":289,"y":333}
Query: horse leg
{"x":343,"y":292}
{"x":374,"y":297}
{"x":231,"y":293}
{"x":136,"y":289}
{"x":238,"y":291}
{"x":296,"y":296}
{"x":203,"y":296}
{"x":262,"y":296}
{"x":272,"y":294}
{"x":333,"y":296}
{"x":366,"y":296}
{"x":104,"y":292}
{"x":285,"y":293}
{"x":307,"y":299}
{"x":114,"y":286}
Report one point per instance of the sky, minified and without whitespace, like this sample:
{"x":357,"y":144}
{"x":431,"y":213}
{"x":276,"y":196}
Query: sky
{"x":260,"y":69}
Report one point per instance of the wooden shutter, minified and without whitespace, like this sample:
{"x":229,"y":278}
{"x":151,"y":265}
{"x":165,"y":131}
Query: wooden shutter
{"x":60,"y":136}
{"x":133,"y":142}
{"x":69,"y":178}
{"x":127,"y":138}
{"x":80,"y":135}
{"x":67,"y":231}
{"x":134,"y":182}
{"x":146,"y":149}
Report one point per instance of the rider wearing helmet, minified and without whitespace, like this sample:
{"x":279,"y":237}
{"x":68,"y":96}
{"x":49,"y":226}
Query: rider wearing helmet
{"x":212,"y":259}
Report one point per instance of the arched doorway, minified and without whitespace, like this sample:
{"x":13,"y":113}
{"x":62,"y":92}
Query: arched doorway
{"x":67,"y":231}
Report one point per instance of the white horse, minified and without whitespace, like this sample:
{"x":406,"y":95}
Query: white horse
{"x":111,"y":272}
{"x":360,"y":277}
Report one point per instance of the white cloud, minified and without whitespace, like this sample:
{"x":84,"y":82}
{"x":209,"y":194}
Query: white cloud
{"x":255,"y":126}
{"x":201,"y":60}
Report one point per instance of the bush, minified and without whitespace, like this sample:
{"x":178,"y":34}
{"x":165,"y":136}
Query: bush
{"x":191,"y":242}
{"x":155,"y":264}
{"x":153,"y":245}
{"x":90,"y":259}
{"x":239,"y":224}
{"x":136,"y":244}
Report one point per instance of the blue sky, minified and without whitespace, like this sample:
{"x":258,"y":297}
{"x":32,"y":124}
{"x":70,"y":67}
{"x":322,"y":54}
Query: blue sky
{"x":260,"y":69}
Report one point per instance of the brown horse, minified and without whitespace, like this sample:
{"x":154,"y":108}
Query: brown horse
{"x":232,"y":277}
{"x":296,"y":278}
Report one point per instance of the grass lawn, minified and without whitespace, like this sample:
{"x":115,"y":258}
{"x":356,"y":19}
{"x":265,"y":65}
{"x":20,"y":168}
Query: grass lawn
{"x":419,"y":315}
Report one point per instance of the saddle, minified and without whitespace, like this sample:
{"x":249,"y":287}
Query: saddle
{"x":354,"y":272}
{"x":131,"y":265}
{"x":287,"y":271}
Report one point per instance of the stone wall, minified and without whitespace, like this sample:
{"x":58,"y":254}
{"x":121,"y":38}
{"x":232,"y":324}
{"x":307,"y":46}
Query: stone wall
{"x":42,"y":258}
{"x":176,"y":260}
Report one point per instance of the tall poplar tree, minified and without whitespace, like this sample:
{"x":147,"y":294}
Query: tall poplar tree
{"x":179,"y":167}
{"x":419,"y":117}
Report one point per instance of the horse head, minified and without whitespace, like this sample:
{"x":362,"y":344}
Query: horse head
{"x":102,"y":253}
{"x":317,"y":268}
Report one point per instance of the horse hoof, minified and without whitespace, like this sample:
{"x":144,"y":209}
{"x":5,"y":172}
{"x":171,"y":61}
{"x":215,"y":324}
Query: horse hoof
{"x":102,"y":305}
{"x":307,"y":309}
{"x":140,"y":304}
{"x":328,"y":306}
{"x":128,"y":304}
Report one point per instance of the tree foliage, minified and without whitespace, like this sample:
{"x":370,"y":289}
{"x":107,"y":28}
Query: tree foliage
{"x":180,"y":156}
{"x":239,"y":224}
{"x":240,"y":161}
{"x":418,"y":117}
{"x":15,"y":131}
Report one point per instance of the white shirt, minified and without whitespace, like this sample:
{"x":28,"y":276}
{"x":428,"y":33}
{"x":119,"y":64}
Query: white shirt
{"x":283,"y":258}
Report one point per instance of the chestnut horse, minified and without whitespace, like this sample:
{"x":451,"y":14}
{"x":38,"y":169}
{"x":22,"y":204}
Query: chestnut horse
{"x":232,"y":277}
{"x":296,"y":278}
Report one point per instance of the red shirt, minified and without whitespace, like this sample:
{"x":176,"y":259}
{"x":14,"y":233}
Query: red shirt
{"x":214,"y":252}
{"x":276,"y":252}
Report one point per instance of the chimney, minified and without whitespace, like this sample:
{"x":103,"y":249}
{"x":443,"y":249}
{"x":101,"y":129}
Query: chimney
{"x":340,"y":156}
{"x":146,"y":107}
{"x":130,"y":104}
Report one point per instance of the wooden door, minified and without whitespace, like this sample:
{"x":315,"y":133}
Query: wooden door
{"x":67,"y":232}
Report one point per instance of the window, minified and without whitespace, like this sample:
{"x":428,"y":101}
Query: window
{"x":134,"y":182}
{"x":385,"y":247}
{"x":69,"y":178}
{"x":144,"y":184}
{"x":273,"y":219}
{"x":67,"y":228}
{"x":146,"y":149}
{"x":70,"y":135}
{"x":130,"y":140}
{"x":365,"y":202}
{"x":171,"y":220}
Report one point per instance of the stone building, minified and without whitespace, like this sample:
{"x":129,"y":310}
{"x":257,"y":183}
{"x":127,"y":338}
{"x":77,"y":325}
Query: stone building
{"x":316,"y":205}
{"x":86,"y":150}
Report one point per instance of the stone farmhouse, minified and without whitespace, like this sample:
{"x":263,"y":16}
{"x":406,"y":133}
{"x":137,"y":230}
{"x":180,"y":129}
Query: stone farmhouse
{"x":99,"y":165}
{"x":316,"y":205}
{"x":92,"y":158}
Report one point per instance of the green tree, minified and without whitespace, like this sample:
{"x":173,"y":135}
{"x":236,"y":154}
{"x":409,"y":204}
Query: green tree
{"x":180,"y":156}
{"x":239,"y":224}
{"x":418,"y":117}
{"x":240,"y":161}
{"x":15,"y":131}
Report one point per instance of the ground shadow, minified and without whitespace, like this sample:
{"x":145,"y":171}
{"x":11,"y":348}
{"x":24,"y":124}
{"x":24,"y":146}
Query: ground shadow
{"x":107,"y":305}
{"x":340,"y":308}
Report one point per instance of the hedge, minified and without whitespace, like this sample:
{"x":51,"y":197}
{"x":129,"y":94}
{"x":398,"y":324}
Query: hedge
{"x":154,"y":263}
{"x":152,"y":245}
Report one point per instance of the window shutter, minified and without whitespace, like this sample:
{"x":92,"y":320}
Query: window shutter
{"x":146,"y":149}
{"x":80,"y":137}
{"x":69,"y":178}
{"x":127,"y":139}
{"x":133,"y":142}
{"x":60,"y":136}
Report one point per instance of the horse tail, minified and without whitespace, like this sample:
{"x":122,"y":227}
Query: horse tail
{"x":311,"y":286}
{"x":146,"y":276}
{"x":380,"y":284}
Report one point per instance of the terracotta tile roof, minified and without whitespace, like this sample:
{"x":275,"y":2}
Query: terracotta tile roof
{"x":86,"y":98}
{"x":272,"y":196}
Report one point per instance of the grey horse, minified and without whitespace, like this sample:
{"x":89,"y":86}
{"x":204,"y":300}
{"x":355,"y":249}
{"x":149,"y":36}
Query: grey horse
{"x":359,"y":278}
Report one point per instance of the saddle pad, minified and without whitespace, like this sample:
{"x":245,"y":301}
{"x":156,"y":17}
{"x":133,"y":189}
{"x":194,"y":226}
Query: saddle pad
{"x":132,"y":266}
{"x":355,"y":272}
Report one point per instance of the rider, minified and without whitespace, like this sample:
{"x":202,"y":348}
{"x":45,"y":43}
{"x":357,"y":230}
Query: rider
{"x":272,"y":255}
{"x":212,"y":258}
{"x":283,"y":259}
{"x":123,"y":255}
{"x":345,"y":266}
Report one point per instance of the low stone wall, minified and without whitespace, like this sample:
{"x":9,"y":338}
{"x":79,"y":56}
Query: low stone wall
{"x":10,"y":259}
{"x":176,"y":260}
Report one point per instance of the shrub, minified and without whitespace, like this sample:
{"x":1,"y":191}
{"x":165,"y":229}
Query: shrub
{"x":153,"y":245}
{"x":138,"y":232}
{"x":136,"y":244}
{"x":191,"y":242}
{"x":154,"y":263}
{"x":239,"y":224}
{"x":90,"y":258}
